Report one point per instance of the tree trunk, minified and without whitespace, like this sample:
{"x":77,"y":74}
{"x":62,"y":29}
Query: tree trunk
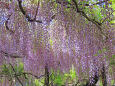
{"x":46,"y":76}
{"x":95,"y":80}
{"x":104,"y":81}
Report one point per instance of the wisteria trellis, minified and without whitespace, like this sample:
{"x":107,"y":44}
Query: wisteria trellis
{"x":53,"y":36}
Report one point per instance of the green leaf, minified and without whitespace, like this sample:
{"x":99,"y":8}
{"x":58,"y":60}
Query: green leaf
{"x":104,"y":49}
{"x":5,"y":69}
{"x":66,"y":75}
{"x":112,"y":22}
{"x":112,"y":82}
{"x":59,"y":79}
{"x":69,"y":0}
{"x":1,"y":81}
{"x":95,"y":54}
{"x":73,"y":73}
{"x":112,"y":60}
{"x":21,"y":67}
{"x":97,"y":12}
{"x":113,"y":56}
{"x":51,"y":41}
{"x":35,"y":1}
{"x":113,"y":1}
{"x":36,"y":82}
{"x":99,"y":51}
{"x":100,"y":83}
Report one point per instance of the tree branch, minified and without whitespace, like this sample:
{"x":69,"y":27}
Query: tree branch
{"x":64,"y":2}
{"x":98,"y":3}
{"x":98,"y":24}
{"x":13,"y":55}
{"x":37,"y":77}
{"x":16,"y":75}
{"x":84,"y":14}
{"x":36,"y":11}
{"x":27,"y":16}
{"x":6,"y":24}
